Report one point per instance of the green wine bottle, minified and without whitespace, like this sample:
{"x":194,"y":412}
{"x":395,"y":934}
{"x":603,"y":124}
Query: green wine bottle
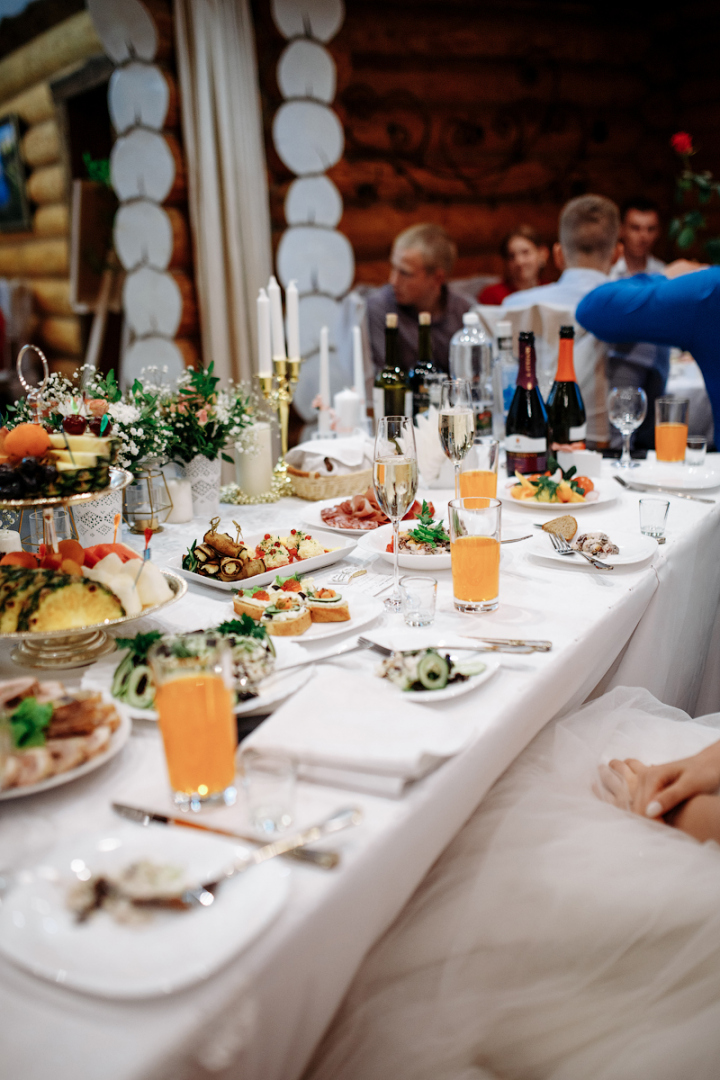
{"x":425,"y":366}
{"x":391,"y":393}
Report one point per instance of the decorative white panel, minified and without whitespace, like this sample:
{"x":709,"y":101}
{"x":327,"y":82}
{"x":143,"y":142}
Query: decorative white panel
{"x":306,"y":70}
{"x":313,"y":200}
{"x":320,"y":19}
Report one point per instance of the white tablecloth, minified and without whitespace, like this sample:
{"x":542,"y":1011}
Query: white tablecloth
{"x":260,"y":1016}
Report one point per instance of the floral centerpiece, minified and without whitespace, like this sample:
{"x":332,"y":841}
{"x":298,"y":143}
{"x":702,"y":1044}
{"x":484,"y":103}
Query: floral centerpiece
{"x":692,"y":186}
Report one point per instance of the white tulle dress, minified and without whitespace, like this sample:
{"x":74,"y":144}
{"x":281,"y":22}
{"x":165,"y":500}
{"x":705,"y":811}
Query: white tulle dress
{"x":558,"y":938}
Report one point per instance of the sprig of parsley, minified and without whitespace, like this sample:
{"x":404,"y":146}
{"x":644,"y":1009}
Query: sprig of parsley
{"x":28,"y":723}
{"x":140,"y":645}
{"x":426,"y":532}
{"x":245,"y":626}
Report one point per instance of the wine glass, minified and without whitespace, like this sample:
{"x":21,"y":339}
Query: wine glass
{"x":627,"y":407}
{"x":395,"y":478}
{"x":456,"y":423}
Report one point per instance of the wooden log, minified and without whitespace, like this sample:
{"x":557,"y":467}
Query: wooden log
{"x":147,"y":234}
{"x":189,"y":321}
{"x":125,"y":28}
{"x":62,"y":332}
{"x":33,"y":105}
{"x":70,"y":41}
{"x":52,"y":220}
{"x":159,"y":303}
{"x":152,"y":352}
{"x":41,"y":144}
{"x":36,"y":258}
{"x":47,"y":185}
{"x":51,"y":296}
{"x":162,"y":15}
{"x":142,"y":94}
{"x":148,"y":165}
{"x":190,"y":352}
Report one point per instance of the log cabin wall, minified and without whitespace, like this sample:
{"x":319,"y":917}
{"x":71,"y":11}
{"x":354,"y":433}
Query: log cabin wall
{"x":483,"y":115}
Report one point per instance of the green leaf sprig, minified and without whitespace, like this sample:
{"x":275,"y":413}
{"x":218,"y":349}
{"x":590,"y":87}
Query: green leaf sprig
{"x":139,"y":645}
{"x":426,"y":532}
{"x":28,"y":723}
{"x":245,"y":626}
{"x":190,"y":559}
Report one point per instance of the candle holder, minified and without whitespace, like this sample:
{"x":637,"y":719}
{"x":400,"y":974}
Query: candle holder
{"x":278,"y":390}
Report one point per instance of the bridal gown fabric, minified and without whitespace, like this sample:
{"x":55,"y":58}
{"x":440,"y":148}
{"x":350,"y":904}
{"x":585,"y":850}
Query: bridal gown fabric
{"x":558,"y":937}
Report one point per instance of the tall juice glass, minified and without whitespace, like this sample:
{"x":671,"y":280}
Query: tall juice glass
{"x":479,"y":471}
{"x":193,"y":697}
{"x":475,"y":553}
{"x":671,"y":428}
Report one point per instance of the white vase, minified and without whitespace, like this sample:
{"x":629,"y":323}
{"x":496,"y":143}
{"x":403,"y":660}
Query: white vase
{"x":204,"y":476}
{"x":95,"y":521}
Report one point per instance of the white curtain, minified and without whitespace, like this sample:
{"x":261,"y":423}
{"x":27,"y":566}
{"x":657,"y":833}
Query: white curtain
{"x":227,"y":181}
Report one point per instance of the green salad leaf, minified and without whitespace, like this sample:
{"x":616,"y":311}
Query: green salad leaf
{"x":28,"y":723}
{"x":426,"y":532}
{"x":245,"y":626}
{"x":140,"y":645}
{"x":190,"y":559}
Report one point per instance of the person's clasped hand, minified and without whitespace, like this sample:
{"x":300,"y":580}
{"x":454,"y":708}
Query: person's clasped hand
{"x":655,"y":790}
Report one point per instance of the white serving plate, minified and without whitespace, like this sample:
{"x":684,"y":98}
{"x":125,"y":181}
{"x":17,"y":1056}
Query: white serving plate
{"x":377,"y":541}
{"x":169,"y":951}
{"x":363,"y":610}
{"x":634,"y":548}
{"x":340,"y":549}
{"x":313,"y":519}
{"x":606,"y":495}
{"x":426,"y":637}
{"x":117,"y":741}
{"x":676,"y":475}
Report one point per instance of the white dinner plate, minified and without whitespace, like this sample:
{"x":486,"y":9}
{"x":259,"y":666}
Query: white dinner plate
{"x":676,"y":475}
{"x":378,"y":540}
{"x":171,"y":949}
{"x":339,"y":549}
{"x":272,"y":690}
{"x":634,"y":548}
{"x":429,"y":637}
{"x":363,"y":610}
{"x":312,"y":516}
{"x":117,"y":740}
{"x":605,"y":492}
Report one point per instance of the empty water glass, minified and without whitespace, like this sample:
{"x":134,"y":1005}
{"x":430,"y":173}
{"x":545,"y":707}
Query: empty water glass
{"x":653,"y":515}
{"x":268,"y":780}
{"x":695,"y":450}
{"x":418,"y":594}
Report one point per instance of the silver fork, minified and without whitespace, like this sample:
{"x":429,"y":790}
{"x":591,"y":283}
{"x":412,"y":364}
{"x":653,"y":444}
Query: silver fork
{"x":342,"y":577}
{"x":563,"y":548}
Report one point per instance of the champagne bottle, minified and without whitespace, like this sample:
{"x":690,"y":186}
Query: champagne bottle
{"x":425,"y":366}
{"x":391,"y":393}
{"x":567,"y":424}
{"x":526,"y":424}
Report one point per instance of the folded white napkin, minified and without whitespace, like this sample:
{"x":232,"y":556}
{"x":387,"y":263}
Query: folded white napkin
{"x":435,"y":467}
{"x":347,"y":455}
{"x":353,"y":730}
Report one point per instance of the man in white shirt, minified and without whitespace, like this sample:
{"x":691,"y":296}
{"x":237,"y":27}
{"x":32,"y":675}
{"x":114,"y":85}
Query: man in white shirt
{"x":585,"y":253}
{"x":639,"y":363}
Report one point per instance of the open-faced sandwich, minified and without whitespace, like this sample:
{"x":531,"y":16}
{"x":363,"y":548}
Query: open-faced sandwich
{"x":288,"y":607}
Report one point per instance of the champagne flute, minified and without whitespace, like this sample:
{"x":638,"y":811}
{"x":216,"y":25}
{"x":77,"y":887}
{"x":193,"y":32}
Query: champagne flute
{"x":627,"y":406}
{"x":456,"y":423}
{"x":395,"y":477}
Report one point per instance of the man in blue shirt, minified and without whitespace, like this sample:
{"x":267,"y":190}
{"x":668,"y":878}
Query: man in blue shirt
{"x":681,"y":309}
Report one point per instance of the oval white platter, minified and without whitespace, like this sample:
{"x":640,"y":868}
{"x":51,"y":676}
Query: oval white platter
{"x":148,"y":959}
{"x":605,"y":492}
{"x":117,"y":740}
{"x":363,"y":610}
{"x":676,"y":475}
{"x":339,"y":549}
{"x":311,"y":515}
{"x":634,"y":548}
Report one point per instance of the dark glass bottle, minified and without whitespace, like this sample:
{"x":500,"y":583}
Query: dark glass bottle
{"x":526,"y":424}
{"x":425,"y":366}
{"x":391,"y":393}
{"x":567,"y":423}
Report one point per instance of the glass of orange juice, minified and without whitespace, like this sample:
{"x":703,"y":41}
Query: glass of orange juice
{"x":475,"y":553}
{"x":479,"y":471}
{"x":194,"y":700}
{"x":671,"y":428}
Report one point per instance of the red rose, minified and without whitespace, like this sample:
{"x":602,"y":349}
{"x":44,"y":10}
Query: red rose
{"x":681,"y":143}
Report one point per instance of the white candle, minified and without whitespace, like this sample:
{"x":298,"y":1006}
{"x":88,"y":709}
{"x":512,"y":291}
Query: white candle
{"x":348,"y":411}
{"x":263,"y":318}
{"x":324,"y":417}
{"x":9,"y":541}
{"x":293,"y":320}
{"x":358,"y":365}
{"x":254,"y":472}
{"x":276,"y":320}
{"x":181,"y":495}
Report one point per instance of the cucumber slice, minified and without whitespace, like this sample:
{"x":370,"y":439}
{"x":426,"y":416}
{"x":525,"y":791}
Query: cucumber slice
{"x":433,"y":670}
{"x":140,"y":690}
{"x":468,"y":668}
{"x":121,"y":677}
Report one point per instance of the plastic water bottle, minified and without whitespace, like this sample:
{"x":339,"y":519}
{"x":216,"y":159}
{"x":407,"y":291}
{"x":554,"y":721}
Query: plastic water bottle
{"x":506,"y":365}
{"x":471,"y":359}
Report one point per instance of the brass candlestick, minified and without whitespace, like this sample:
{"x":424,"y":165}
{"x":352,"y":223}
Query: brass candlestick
{"x":278,"y":390}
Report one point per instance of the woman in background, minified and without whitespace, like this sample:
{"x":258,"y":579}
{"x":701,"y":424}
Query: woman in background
{"x":525,"y":257}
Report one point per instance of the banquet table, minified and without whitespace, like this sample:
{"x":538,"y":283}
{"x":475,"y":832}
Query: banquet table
{"x":260,"y":1016}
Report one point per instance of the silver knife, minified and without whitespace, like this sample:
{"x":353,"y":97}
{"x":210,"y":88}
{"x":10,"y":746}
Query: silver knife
{"x":645,"y":490}
{"x":325,"y":859}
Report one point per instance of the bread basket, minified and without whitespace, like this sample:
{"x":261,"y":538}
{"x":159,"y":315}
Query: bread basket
{"x":314,"y":486}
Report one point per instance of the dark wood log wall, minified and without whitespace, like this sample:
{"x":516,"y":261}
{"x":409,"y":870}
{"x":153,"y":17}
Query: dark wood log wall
{"x":482,"y":115}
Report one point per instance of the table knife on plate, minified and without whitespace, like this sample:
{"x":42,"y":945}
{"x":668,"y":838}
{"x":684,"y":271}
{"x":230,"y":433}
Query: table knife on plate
{"x":325,"y":859}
